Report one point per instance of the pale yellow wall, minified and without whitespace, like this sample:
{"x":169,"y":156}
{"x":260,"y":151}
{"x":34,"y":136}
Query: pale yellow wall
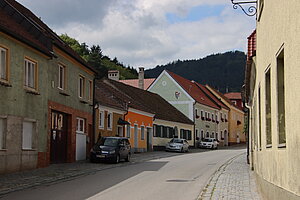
{"x":235,"y":129}
{"x":279,"y":27}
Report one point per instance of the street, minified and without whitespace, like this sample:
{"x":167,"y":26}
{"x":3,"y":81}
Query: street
{"x":178,"y":177}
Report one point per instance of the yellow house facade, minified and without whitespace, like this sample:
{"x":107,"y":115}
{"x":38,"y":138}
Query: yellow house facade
{"x":272,"y":95}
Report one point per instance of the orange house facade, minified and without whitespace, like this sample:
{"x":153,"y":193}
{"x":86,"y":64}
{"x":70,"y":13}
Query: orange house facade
{"x":140,"y":130}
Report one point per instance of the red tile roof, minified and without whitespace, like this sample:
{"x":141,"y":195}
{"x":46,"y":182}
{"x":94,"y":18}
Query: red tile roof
{"x":117,"y":94}
{"x":233,"y":95}
{"x":135,"y":82}
{"x":194,"y":91}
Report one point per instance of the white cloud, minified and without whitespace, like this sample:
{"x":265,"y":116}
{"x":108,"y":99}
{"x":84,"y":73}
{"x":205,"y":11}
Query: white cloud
{"x":137,"y":31}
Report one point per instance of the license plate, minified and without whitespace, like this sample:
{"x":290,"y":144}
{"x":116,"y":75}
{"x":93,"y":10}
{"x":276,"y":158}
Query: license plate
{"x":100,"y":156}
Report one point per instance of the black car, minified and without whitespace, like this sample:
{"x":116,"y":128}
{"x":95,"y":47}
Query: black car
{"x":111,"y":149}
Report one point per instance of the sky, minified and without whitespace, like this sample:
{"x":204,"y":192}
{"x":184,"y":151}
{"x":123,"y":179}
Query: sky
{"x":147,"y":33}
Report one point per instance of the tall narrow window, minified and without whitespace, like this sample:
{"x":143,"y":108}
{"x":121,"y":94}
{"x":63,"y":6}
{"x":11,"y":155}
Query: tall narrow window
{"x":128,"y":130}
{"x":80,"y":128}
{"x":101,"y":119}
{"x":2,"y":133}
{"x":259,"y":117}
{"x":81,"y":86}
{"x":3,"y":64}
{"x":61,"y":77}
{"x":281,"y":99}
{"x":30,"y":70}
{"x":142,"y":132}
{"x":28,"y":129}
{"x":109,"y":120}
{"x":268,"y":108}
{"x":90,"y":90}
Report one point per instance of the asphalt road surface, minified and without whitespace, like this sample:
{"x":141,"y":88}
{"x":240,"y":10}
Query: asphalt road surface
{"x":180,"y":177}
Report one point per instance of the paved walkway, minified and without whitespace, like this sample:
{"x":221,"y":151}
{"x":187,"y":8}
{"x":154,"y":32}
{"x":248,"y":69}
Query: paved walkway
{"x":233,"y":180}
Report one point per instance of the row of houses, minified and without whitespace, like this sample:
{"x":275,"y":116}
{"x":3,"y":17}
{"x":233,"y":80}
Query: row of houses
{"x":53,"y":110}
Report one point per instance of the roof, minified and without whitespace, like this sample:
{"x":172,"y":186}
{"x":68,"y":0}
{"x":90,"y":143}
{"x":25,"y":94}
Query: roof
{"x":22,"y":24}
{"x":223,"y":97}
{"x":233,"y":95}
{"x":139,"y":99}
{"x":192,"y":88}
{"x":135,"y":82}
{"x":213,"y":97}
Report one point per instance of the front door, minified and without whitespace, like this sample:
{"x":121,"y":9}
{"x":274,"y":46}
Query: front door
{"x":58,"y":145}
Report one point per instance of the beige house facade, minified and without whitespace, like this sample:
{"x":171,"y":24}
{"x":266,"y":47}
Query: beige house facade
{"x":272,"y":95}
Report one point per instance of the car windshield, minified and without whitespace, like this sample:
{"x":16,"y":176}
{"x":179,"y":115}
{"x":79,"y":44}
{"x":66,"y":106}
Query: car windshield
{"x":207,"y":140}
{"x":176,"y":141}
{"x":113,"y":142}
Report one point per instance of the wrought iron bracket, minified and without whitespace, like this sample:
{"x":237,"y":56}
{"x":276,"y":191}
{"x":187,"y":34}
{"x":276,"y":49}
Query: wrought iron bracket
{"x":250,"y":11}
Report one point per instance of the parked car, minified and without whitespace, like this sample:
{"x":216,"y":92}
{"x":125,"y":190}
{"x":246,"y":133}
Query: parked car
{"x":111,"y":149}
{"x":209,"y":143}
{"x":176,"y":144}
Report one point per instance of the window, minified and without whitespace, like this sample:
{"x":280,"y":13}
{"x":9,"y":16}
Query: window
{"x":202,"y":134}
{"x":185,"y":134}
{"x":197,"y":134}
{"x":101,"y":119}
{"x":2,"y":133}
{"x":120,"y":131}
{"x":222,"y":135}
{"x":30,"y":70}
{"x":268,"y":107}
{"x":90,"y":90}
{"x":165,"y":132}
{"x":281,"y":99}
{"x":202,"y":114}
{"x":213,"y":135}
{"x":80,"y":128}
{"x":207,"y":134}
{"x":212,"y":117}
{"x":61,"y":77}
{"x":142,"y":133}
{"x":217,"y":118}
{"x":3,"y":64}
{"x":217,"y":136}
{"x":259,"y":117}
{"x":81,"y":86}
{"x":158,"y":131}
{"x":128,"y":131}
{"x":28,"y":130}
{"x":109,"y":120}
{"x":205,"y":115}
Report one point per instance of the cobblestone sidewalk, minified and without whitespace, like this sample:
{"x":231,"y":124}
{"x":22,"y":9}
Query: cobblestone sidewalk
{"x":233,"y":180}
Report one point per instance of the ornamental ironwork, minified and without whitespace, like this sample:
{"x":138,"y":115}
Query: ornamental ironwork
{"x":250,"y":9}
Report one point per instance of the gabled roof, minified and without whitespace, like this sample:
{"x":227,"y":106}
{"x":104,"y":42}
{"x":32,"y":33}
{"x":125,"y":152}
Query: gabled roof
{"x":22,"y":24}
{"x":194,"y":91}
{"x":213,"y":97}
{"x":135,"y":82}
{"x":233,"y":95}
{"x":138,"y":99}
{"x":223,"y":97}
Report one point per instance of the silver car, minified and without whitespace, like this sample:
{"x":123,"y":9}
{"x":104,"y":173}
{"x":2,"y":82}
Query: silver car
{"x":210,"y":143}
{"x":179,"y":145}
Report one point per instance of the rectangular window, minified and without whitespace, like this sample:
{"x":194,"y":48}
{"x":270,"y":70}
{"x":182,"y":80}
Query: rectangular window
{"x":109,"y":120}
{"x":268,"y":108}
{"x":202,"y":134}
{"x":80,"y":128}
{"x":165,"y":132}
{"x":81,"y":86}
{"x":30,"y":76}
{"x":281,"y":99}
{"x":142,"y":133}
{"x":61,"y":77}
{"x":3,"y":64}
{"x":158,"y":131}
{"x":128,"y":128}
{"x":90,"y":90}
{"x":28,"y":130}
{"x":2,"y":133}
{"x":101,"y":119}
{"x":259,"y":117}
{"x":171,"y":132}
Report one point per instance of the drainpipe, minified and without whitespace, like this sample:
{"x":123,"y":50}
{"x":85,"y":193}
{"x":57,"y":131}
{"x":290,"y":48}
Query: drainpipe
{"x":94,"y":113}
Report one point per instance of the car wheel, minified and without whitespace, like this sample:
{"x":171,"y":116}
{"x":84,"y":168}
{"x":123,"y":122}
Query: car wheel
{"x":117,"y":159}
{"x":127,"y":159}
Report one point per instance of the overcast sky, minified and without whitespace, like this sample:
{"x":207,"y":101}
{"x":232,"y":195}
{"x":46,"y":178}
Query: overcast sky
{"x":149,"y":32}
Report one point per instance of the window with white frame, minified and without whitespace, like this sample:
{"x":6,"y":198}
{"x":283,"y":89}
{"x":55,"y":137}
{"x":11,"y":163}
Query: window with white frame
{"x":2,"y":133}
{"x":81,"y":85}
{"x":202,"y":134}
{"x":101,"y":119}
{"x":27,"y":135}
{"x":3,"y":64}
{"x":80,"y":128}
{"x":202,"y":115}
{"x":212,"y":117}
{"x":30,"y":74}
{"x":142,"y":133}
{"x":90,"y":90}
{"x":216,"y":117}
{"x":109,"y":120}
{"x":128,"y":129}
{"x":61,"y":76}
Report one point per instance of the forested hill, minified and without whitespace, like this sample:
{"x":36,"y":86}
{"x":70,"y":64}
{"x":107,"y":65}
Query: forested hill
{"x":224,"y":71}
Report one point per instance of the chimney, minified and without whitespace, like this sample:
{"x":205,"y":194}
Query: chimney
{"x":141,"y":77}
{"x":114,"y":75}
